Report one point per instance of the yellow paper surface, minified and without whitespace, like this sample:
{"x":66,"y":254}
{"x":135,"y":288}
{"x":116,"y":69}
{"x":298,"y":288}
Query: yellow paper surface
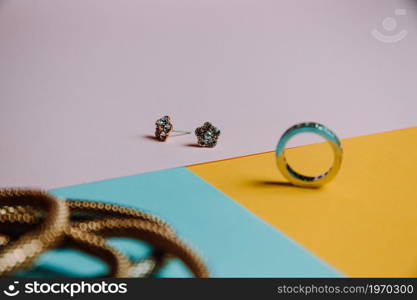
{"x":363,"y":223}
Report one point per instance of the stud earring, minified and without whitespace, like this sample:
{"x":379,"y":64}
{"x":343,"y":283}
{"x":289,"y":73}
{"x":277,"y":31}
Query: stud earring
{"x":207,"y":135}
{"x":164,"y":127}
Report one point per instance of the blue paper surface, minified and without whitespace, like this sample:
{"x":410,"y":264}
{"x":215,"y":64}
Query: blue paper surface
{"x":232,"y":241}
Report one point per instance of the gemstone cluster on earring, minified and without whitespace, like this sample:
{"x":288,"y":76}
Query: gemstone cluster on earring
{"x":163,"y":128}
{"x":207,"y":135}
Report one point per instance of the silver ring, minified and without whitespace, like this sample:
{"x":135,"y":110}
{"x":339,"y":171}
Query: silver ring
{"x":303,"y":180}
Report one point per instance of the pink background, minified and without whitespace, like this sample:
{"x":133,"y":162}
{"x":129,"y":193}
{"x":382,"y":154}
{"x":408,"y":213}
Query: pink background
{"x":83,"y":81}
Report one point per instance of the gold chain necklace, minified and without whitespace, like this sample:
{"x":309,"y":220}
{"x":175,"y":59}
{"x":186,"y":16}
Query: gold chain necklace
{"x":32,"y":222}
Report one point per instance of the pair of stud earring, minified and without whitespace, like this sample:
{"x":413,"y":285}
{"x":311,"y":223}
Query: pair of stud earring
{"x":207,"y":135}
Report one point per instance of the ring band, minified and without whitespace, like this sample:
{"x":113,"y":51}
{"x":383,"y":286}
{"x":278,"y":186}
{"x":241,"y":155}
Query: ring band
{"x":303,"y":180}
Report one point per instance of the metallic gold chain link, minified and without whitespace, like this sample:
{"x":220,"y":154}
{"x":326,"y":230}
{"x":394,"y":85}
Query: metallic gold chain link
{"x":41,"y":221}
{"x":150,"y":232}
{"x":23,"y":251}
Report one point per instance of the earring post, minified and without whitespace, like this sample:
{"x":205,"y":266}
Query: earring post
{"x":182,"y":131}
